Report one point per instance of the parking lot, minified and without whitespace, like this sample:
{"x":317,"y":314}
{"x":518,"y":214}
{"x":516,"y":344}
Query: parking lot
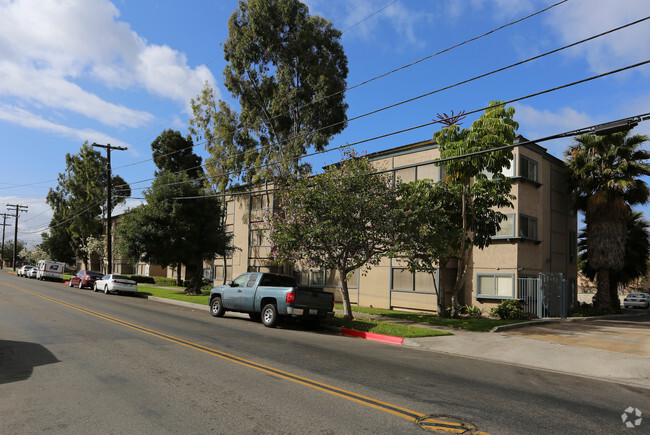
{"x":628,"y":333}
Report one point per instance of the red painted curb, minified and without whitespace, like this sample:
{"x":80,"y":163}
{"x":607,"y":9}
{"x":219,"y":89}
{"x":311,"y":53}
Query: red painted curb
{"x":373,"y":336}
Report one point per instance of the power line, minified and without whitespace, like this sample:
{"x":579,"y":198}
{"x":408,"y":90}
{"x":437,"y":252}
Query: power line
{"x":582,"y":41}
{"x":396,"y":69}
{"x":396,"y":132}
{"x":628,"y":122}
{"x":369,"y":16}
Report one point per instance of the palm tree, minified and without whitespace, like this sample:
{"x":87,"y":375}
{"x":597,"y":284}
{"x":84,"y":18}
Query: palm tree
{"x":605,"y":177}
{"x":637,"y":251}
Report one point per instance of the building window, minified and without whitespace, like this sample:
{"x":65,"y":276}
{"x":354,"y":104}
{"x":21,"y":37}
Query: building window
{"x":404,"y":175}
{"x":258,"y":238}
{"x":573,"y":246}
{"x":430,"y":171}
{"x":208,"y":274}
{"x":506,"y":172}
{"x":528,"y":168}
{"x":527,"y":227}
{"x":405,"y":280}
{"x":260,"y":202}
{"x":496,"y":286}
{"x":507,"y":227}
{"x":219,"y":273}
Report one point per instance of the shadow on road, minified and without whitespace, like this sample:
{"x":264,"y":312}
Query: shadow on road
{"x":18,"y":359}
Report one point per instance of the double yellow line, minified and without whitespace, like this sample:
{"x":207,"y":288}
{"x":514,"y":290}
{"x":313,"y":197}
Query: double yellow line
{"x":358,"y":398}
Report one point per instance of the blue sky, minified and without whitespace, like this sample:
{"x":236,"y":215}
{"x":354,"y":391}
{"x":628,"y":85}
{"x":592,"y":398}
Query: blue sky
{"x":121,"y":72}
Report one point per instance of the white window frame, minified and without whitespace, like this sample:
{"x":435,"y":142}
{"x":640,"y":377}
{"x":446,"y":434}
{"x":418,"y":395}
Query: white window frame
{"x":480,"y":295}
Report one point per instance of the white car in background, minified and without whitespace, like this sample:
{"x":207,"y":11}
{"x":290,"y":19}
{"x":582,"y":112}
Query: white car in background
{"x":31,"y":273}
{"x":115,"y":284}
{"x":640,"y":300}
{"x":22,"y":269}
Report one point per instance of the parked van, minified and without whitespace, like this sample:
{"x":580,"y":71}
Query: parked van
{"x":50,"y":270}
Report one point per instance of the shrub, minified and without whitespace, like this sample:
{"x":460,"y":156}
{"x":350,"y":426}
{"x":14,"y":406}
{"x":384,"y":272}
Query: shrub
{"x":143,"y":279}
{"x":471,"y":311}
{"x":510,"y":309}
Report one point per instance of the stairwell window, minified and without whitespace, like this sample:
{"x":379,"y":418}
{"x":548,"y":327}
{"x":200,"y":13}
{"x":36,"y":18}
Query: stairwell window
{"x":527,"y":227}
{"x":528,"y":168}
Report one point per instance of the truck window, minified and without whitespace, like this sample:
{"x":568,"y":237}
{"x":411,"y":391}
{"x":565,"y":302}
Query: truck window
{"x":278,"y":281}
{"x":251,"y":280}
{"x":240,"y":280}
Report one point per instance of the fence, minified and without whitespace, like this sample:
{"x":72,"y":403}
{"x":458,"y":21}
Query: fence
{"x":544,"y":296}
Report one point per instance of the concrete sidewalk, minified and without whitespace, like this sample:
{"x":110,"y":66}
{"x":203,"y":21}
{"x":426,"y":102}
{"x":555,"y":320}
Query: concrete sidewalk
{"x":604,"y":360}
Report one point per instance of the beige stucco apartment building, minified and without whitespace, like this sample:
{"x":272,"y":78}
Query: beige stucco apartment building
{"x":539,"y":236}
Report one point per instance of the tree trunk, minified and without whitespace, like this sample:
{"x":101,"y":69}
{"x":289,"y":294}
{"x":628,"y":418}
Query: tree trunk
{"x":196,"y":280}
{"x":347,"y":308}
{"x":440,"y":296}
{"x":179,"y":280}
{"x":603,"y":300}
{"x":613,"y":295}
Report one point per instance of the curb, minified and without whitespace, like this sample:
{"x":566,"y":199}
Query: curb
{"x":373,"y":336}
{"x":179,"y":303}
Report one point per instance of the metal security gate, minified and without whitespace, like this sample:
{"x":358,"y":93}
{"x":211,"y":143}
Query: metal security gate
{"x":544,"y":296}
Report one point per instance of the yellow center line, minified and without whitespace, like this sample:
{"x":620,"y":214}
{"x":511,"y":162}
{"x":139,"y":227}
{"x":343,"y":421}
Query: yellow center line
{"x":358,"y":398}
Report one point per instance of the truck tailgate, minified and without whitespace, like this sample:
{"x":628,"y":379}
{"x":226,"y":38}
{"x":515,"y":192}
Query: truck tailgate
{"x":313,"y":299}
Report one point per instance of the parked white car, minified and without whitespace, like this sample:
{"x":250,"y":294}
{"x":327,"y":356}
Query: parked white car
{"x":31,"y":273}
{"x":115,"y":283}
{"x":633,"y":300}
{"x":22,"y":269}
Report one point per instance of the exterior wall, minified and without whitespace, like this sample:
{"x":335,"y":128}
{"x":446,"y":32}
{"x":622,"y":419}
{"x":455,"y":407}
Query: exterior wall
{"x":514,"y":253}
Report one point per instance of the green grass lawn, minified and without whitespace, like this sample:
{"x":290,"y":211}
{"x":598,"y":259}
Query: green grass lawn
{"x":467,"y":323}
{"x":172,"y":294}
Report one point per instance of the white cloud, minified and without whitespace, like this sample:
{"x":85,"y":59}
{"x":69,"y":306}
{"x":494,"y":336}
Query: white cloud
{"x":580,"y":19}
{"x":536,"y":124}
{"x":30,"y":120}
{"x":49,"y":48}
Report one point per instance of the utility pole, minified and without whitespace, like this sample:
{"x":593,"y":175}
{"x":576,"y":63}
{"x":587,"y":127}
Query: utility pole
{"x":109,"y":188}
{"x":2,"y":252}
{"x":17,"y":208}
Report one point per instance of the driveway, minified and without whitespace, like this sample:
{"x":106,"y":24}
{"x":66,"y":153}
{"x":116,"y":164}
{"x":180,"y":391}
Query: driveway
{"x":628,"y":333}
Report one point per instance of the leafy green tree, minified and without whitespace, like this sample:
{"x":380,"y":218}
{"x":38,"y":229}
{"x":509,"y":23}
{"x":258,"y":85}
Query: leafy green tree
{"x":635,"y":259}
{"x":174,"y":153}
{"x":79,"y":200}
{"x":605,"y":177}
{"x":58,"y":243}
{"x":338,"y":220}
{"x":480,"y":196}
{"x":168,"y":230}
{"x":288,"y":71}
{"x":427,"y":231}
{"x":8,"y":253}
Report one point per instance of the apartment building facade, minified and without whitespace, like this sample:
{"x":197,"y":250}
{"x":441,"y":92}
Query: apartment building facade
{"x":538,"y":236}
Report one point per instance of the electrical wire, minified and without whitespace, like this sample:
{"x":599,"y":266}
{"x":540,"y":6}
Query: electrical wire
{"x":467,"y":41}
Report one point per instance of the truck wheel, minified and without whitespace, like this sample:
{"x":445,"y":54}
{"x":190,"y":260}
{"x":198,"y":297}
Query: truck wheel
{"x":270,"y":315}
{"x":216,"y":307}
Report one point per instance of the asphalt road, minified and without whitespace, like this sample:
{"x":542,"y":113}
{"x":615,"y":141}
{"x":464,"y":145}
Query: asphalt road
{"x":74,"y":361}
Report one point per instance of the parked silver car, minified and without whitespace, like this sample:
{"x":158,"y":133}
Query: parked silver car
{"x":633,"y":300}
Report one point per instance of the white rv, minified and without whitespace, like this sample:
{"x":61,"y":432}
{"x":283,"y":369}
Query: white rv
{"x":50,"y":270}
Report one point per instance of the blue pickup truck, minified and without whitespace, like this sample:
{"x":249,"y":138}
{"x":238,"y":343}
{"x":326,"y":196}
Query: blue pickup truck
{"x":270,"y":297}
